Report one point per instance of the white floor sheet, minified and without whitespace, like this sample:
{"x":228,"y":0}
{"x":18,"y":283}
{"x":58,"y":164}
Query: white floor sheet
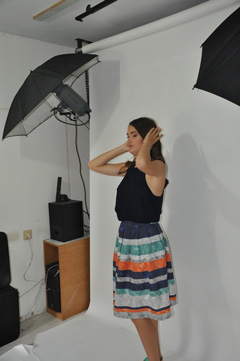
{"x":83,"y":338}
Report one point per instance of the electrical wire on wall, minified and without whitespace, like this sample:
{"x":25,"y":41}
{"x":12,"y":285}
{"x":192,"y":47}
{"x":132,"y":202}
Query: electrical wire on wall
{"x":41,"y":282}
{"x":80,"y":171}
{"x":30,"y":311}
{"x":76,"y":145}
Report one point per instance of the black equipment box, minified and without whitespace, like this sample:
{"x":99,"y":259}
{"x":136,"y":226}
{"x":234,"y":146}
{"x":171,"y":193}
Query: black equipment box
{"x":9,"y":315}
{"x":66,"y":220}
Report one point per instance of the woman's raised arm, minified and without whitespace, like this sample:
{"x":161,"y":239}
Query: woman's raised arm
{"x":154,"y":168}
{"x":101,"y":163}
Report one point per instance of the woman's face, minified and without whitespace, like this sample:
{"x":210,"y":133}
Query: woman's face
{"x":135,"y":140}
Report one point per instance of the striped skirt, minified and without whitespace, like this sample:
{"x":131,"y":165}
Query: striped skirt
{"x":143,"y":280}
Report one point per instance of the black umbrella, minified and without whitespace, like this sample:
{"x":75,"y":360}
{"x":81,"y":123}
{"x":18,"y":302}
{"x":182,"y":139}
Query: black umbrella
{"x":220,"y":64}
{"x":42,"y":91}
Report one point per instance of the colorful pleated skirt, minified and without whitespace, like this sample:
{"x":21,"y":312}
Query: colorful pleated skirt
{"x":143,"y":279}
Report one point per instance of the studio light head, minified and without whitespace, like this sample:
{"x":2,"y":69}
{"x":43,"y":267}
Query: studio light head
{"x":72,"y":100}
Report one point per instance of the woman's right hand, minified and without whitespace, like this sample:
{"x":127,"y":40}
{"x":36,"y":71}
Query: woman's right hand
{"x":125,"y":146}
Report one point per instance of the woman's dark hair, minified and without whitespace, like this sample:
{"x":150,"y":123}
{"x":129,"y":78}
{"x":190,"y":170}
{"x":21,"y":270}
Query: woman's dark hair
{"x":143,"y":125}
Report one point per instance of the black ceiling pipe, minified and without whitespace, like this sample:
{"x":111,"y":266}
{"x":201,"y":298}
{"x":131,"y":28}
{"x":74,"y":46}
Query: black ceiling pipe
{"x":91,"y":10}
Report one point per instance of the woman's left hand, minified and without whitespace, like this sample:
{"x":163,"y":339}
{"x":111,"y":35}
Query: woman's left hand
{"x":153,"y":136}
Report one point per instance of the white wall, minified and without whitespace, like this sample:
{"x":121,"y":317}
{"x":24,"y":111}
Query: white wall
{"x":154,"y":76}
{"x":29,"y":170}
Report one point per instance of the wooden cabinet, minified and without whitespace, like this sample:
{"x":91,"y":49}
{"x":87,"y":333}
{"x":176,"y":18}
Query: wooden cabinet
{"x":74,"y":271}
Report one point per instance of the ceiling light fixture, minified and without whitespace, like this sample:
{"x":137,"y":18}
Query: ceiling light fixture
{"x":91,"y":10}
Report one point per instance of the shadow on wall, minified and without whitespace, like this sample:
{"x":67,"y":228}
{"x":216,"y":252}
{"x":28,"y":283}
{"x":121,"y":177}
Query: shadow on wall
{"x":195,"y":200}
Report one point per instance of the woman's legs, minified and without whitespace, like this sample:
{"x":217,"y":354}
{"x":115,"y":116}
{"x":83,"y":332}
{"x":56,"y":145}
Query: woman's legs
{"x":156,"y":327}
{"x":148,"y":332}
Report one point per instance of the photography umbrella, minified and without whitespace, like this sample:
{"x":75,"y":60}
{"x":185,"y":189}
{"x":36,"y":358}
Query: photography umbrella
{"x":220,"y":64}
{"x":41,"y":92}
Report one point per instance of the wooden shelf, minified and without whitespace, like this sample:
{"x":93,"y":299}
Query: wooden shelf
{"x":74,"y":271}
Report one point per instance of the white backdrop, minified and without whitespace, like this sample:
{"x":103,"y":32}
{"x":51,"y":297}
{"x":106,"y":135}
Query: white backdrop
{"x":153,"y":76}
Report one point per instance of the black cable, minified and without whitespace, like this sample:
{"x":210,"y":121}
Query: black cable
{"x":75,"y":119}
{"x":77,"y":151}
{"x":80,"y":172}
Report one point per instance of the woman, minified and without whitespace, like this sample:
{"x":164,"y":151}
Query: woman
{"x":144,"y":286}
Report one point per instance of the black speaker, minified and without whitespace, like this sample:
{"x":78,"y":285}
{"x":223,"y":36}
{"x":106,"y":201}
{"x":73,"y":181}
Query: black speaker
{"x":66,"y":220}
{"x":53,"y":286}
{"x":9,"y":315}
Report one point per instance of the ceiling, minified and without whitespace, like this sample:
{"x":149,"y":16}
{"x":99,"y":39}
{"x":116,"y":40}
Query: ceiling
{"x":16,"y":17}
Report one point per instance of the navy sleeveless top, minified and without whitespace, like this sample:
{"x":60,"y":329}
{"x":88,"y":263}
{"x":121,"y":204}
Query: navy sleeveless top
{"x":135,"y":201}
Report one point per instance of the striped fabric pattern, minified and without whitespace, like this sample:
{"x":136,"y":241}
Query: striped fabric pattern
{"x":143,"y":279}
